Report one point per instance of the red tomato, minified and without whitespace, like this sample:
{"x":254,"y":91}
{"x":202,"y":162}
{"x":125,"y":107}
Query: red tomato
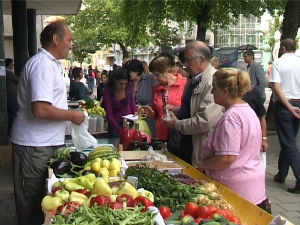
{"x":235,"y":219}
{"x":191,"y":209}
{"x":212,"y":209}
{"x":165,"y":212}
{"x":199,"y":219}
{"x":225,"y":213}
{"x":203,"y":211}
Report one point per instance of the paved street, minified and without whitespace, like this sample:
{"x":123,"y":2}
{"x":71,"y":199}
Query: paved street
{"x":283,"y":202}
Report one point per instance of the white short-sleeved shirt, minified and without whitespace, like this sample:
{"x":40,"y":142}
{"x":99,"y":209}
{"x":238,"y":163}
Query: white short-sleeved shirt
{"x":40,"y":80}
{"x":286,"y":71}
{"x":238,"y":133}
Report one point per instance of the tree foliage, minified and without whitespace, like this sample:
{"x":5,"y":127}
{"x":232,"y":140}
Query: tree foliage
{"x":104,"y":23}
{"x":205,"y":13}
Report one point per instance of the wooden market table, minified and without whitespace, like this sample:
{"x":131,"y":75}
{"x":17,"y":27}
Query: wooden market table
{"x":249,"y":213}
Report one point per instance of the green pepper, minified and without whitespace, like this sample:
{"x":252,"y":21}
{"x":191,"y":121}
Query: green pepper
{"x":69,"y":185}
{"x":87,"y":181}
{"x":63,"y":195}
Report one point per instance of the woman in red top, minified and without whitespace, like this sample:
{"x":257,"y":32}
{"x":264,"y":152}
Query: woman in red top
{"x":168,"y":90}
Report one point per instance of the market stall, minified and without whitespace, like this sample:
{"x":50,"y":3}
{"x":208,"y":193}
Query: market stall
{"x":112,"y":169}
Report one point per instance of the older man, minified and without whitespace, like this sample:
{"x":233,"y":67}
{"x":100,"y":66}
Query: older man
{"x":285,"y":77}
{"x":198,"y":112}
{"x":39,"y":128}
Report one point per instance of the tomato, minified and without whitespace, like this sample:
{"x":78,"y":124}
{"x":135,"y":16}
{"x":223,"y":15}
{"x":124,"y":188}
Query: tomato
{"x":191,"y":209}
{"x":211,"y":209}
{"x":199,"y":219}
{"x":235,"y":219}
{"x":203,"y":211}
{"x":225,"y":213}
{"x":165,"y":212}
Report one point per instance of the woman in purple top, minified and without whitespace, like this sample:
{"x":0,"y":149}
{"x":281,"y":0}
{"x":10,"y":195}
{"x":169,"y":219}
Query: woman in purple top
{"x":118,"y":101}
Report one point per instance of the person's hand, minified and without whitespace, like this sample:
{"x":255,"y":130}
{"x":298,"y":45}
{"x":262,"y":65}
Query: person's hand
{"x":148,"y":111}
{"x":295,"y":111}
{"x":265,"y":146}
{"x":77,"y":117}
{"x":200,"y":165}
{"x":136,"y":113}
{"x":172,"y":108}
{"x":170,"y":122}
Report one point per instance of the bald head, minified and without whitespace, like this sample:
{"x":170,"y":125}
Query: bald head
{"x":200,"y":49}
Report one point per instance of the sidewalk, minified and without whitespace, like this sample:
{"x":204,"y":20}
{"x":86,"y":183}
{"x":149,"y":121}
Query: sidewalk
{"x":283,"y":202}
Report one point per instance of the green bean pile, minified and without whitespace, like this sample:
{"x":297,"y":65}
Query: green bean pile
{"x":103,"y":215}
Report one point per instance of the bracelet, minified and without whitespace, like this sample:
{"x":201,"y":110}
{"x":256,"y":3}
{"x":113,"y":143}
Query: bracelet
{"x":265,"y":138}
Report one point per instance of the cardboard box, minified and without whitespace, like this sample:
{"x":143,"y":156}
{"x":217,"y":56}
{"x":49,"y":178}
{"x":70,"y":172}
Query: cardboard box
{"x":5,"y":155}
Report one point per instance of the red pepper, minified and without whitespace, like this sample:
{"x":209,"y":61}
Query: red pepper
{"x":100,"y":200}
{"x":116,"y":205}
{"x":56,"y":189}
{"x":141,"y":200}
{"x":69,"y":207}
{"x":125,"y":198}
{"x":84,"y":192}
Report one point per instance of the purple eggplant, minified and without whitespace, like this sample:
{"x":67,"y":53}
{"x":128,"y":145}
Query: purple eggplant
{"x":61,"y":166}
{"x":78,"y":158}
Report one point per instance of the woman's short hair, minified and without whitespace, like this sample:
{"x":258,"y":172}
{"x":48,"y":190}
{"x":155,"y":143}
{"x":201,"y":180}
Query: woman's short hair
{"x":76,"y":72}
{"x":162,"y":63}
{"x":50,"y":30}
{"x":236,"y":81}
{"x":134,"y":65}
{"x":116,"y":75}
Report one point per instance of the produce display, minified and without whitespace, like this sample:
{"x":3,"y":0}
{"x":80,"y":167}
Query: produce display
{"x":92,"y":107}
{"x":96,"y":193}
{"x":169,"y":192}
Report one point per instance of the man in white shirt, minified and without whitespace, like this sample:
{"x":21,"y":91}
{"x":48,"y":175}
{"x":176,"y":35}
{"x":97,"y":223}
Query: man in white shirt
{"x":285,"y":77}
{"x":39,"y":128}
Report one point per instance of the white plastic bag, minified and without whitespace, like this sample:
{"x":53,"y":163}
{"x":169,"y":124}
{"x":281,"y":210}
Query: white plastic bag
{"x":81,"y":137}
{"x":264,"y":159}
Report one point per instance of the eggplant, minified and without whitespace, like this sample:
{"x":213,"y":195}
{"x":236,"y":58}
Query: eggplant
{"x":78,"y":158}
{"x":61,"y":166}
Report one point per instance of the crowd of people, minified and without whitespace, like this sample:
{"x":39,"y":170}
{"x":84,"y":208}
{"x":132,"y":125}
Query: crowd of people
{"x":211,"y":117}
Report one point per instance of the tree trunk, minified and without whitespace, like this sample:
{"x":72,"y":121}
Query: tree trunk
{"x":124,"y":50}
{"x":202,"y":20}
{"x":291,"y":21}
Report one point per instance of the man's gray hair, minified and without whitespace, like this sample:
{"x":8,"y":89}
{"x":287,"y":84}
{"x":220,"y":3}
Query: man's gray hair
{"x":200,"y":49}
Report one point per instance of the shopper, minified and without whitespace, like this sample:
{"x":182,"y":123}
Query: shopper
{"x":232,"y":149}
{"x":198,"y":112}
{"x":118,"y":101}
{"x":257,"y":74}
{"x":285,"y":77}
{"x":39,"y":127}
{"x":168,"y":90}
{"x":78,"y":90}
{"x":142,"y":85}
{"x":12,"y":81}
{"x":103,"y":83}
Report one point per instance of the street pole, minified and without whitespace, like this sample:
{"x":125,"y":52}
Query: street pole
{"x":3,"y":98}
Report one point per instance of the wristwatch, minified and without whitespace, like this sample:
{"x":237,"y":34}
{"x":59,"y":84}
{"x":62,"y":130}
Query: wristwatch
{"x":265,"y":138}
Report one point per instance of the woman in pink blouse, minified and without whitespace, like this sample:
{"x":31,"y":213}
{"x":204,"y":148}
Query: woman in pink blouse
{"x":232,"y":149}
